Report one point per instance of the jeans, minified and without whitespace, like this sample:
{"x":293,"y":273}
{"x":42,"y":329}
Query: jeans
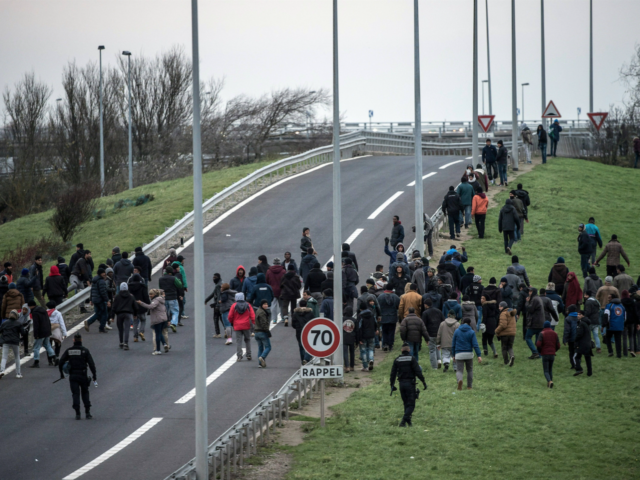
{"x":275,"y":310}
{"x":157,"y":330}
{"x":467,"y":215}
{"x":264,"y":344}
{"x":502,"y":168}
{"x":460,"y":366}
{"x":596,"y":337}
{"x":100,"y":314}
{"x":138,"y":324}
{"x":454,"y":221}
{"x":366,"y":351}
{"x":543,"y":150}
{"x":480,"y":219}
{"x":246,"y":336}
{"x":228,"y":329}
{"x":414,"y":350}
{"x":304,"y":356}
{"x":124,"y":321}
{"x":547,"y":366}
{"x":516,"y":233}
{"x":584,"y":264}
{"x":554,"y":148}
{"x":479,"y":318}
{"x":5,"y":355}
{"x":492,"y":170}
{"x":530,"y":333}
{"x":349,"y":353}
{"x":509,"y":238}
{"x":527,"y":152}
{"x":434,"y":353}
{"x":173,"y":311}
{"x":388,"y":334}
{"x":47,"y":345}
{"x":635,"y":164}
{"x":76,"y":284}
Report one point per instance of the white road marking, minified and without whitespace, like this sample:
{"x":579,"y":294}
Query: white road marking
{"x":112,"y":451}
{"x":412,"y":184}
{"x":211,"y":378}
{"x":349,"y":240}
{"x":384,"y":205}
{"x":449,"y":164}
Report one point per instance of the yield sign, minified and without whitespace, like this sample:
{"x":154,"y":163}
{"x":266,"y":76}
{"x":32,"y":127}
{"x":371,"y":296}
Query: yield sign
{"x":485,"y":121}
{"x":551,"y":111}
{"x":597,"y":119}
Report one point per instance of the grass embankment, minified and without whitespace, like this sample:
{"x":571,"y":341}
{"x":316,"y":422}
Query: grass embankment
{"x":510,"y":425}
{"x":127,"y":227}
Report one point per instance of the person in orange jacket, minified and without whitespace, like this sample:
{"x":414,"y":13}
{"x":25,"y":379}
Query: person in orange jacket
{"x":241,"y":317}
{"x":479,"y":210}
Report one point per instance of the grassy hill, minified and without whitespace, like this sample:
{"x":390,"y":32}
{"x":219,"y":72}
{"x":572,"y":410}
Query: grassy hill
{"x":510,"y":425}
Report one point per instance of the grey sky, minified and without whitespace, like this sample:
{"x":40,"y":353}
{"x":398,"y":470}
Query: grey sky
{"x":258,"y":45}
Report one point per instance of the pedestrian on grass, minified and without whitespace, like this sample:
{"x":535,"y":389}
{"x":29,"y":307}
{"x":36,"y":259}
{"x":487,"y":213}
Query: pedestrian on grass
{"x":572,"y":293}
{"x":583,"y":344}
{"x":242,"y":318}
{"x":622,"y":281}
{"x":592,"y":312}
{"x":613,"y":251}
{"x":157,"y":319}
{"x":506,"y":333}
{"x":444,"y":338}
{"x":349,"y":339}
{"x":526,"y":141}
{"x":508,"y":223}
{"x":585,"y":249}
{"x":489,"y":158}
{"x":519,"y":206}
{"x":413,"y":330}
{"x":470,"y":311}
{"x":542,"y":142}
{"x":492,"y":297}
{"x":592,"y":282}
{"x":569,"y":335}
{"x":433,"y":318}
{"x":558,"y":275}
{"x":594,"y":234}
{"x":263,"y":332}
{"x":367,"y":330}
{"x":463,"y":344}
{"x":479,"y":211}
{"x":548,"y":344}
{"x":631,"y":323}
{"x":535,"y":321}
{"x":389,"y":303}
{"x":557,"y":305}
{"x":502,"y":160}
{"x":406,"y":368}
{"x":554,"y":134}
{"x":451,"y":207}
{"x":614,"y":319}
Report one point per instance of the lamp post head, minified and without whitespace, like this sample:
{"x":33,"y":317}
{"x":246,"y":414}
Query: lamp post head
{"x":525,"y":84}
{"x":128,"y":54}
{"x":101,"y":47}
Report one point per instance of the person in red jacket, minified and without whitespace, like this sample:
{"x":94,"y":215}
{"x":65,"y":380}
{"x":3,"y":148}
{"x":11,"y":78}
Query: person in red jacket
{"x":548,"y":344}
{"x":274,"y":277}
{"x":242,"y":317}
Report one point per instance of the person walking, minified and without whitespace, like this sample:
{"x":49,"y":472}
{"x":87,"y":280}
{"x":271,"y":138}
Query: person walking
{"x":242,"y":317}
{"x":542,"y":142}
{"x":492,"y":297}
{"x":123,"y":269}
{"x":631,"y":322}
{"x":613,"y":251}
{"x":594,"y":234}
{"x":506,"y":333}
{"x":349,"y":339}
{"x":622,"y":281}
{"x":227,"y":297}
{"x":58,"y":327}
{"x":489,"y":158}
{"x":100,"y":300}
{"x":78,"y":358}
{"x":299,"y":318}
{"x":289,"y":292}
{"x":479,"y":211}
{"x":475,"y":295}
{"x":592,"y":282}
{"x":263,"y":332}
{"x":502,"y":160}
{"x":37,"y":279}
{"x":25,"y":320}
{"x":124,"y":310}
{"x":519,"y":206}
{"x":572,"y":293}
{"x":389,"y":303}
{"x":470,"y":311}
{"x":305,"y":243}
{"x":508,"y":223}
{"x":583,"y":345}
{"x":463,"y":344}
{"x":237,"y":282}
{"x":548,"y":344}
{"x":24,"y":286}
{"x":585,"y":249}
{"x":55,"y":286}
{"x":214,"y":298}
{"x":535,"y":321}
{"x":569,"y":335}
{"x":11,"y":331}
{"x":263,"y":264}
{"x":274,"y":277}
{"x":466,"y":193}
{"x":615,"y":316}
{"x":12,"y":300}
{"x":41,"y":334}
{"x":451,"y":207}
{"x":367,"y":331}
{"x":315,"y":277}
{"x":138,"y":288}
{"x":157,"y":319}
{"x":444,"y":338}
{"x":554,"y":133}
{"x":527,"y":141}
{"x":412,"y":331}
{"x":432,"y":317}
{"x":143,"y":263}
{"x":592,"y":312}
{"x":406,"y":368}
{"x":172,"y":288}
{"x":558,"y":275}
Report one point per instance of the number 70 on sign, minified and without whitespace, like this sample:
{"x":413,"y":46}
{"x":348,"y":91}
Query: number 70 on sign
{"x":320,"y":337}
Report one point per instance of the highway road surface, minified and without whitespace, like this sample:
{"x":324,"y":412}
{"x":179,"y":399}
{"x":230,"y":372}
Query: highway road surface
{"x":143,"y":408}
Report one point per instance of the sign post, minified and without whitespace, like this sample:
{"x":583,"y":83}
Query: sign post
{"x":485,"y":122}
{"x":598,"y":119}
{"x":321,"y":338}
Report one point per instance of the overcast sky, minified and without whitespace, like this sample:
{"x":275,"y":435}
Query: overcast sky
{"x":259,"y":45}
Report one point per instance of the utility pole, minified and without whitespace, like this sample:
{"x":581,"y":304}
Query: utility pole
{"x":590,"y":55}
{"x":417,"y":131}
{"x":514,"y":91}
{"x":474,"y":120}
{"x":337,"y":197}
{"x":128,"y":55}
{"x":488,"y":59}
{"x":100,"y":48}
{"x":202,"y":420}
{"x":544,"y":83}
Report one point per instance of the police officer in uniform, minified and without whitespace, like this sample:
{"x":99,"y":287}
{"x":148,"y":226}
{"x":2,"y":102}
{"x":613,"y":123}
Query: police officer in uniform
{"x":79,"y":357}
{"x":406,"y":368}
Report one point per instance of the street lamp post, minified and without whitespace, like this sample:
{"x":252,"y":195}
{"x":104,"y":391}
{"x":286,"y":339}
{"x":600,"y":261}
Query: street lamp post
{"x":591,"y":55}
{"x":523,"y":85}
{"x":128,"y":55}
{"x":488,"y":60}
{"x":483,"y":82}
{"x":544,"y":84}
{"x":417,"y":131}
{"x":514,"y":91}
{"x":474,"y":130}
{"x":100,"y":48}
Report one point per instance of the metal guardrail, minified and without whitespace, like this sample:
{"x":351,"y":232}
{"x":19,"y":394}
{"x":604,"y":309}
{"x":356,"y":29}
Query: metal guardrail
{"x":240,"y":441}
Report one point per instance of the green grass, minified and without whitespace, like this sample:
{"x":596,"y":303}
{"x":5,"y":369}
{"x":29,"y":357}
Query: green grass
{"x":510,"y":425}
{"x":129,"y":227}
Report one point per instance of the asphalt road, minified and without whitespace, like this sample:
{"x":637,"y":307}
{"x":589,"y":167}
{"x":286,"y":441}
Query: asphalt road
{"x":42,"y":439}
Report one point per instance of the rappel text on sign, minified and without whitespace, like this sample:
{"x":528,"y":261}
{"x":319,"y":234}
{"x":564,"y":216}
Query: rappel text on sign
{"x":330,"y":371}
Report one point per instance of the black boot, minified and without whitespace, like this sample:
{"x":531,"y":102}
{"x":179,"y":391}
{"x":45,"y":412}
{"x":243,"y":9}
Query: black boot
{"x":78,"y":417}
{"x":88,"y":415}
{"x":36,"y":364}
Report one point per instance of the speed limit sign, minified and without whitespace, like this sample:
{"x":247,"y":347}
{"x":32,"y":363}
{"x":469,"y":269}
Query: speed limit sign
{"x":320,"y":337}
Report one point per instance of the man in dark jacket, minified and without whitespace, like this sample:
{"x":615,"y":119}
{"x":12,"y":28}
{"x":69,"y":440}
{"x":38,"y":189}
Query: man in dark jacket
{"x":554,"y":134}
{"x":37,"y":279}
{"x":125,"y":310}
{"x":79,"y":358}
{"x":397,"y":232}
{"x":76,"y":256}
{"x":585,"y":249}
{"x":350,"y":279}
{"x":315,"y":277}
{"x":523,"y":195}
{"x":64,"y":270}
{"x":308,"y":261}
{"x":100,"y":300}
{"x":389,"y":303}
{"x":300,"y":316}
{"x":138,"y":288}
{"x":583,"y":344}
{"x":452,"y":206}
{"x":406,"y":368}
{"x":592,"y":312}
{"x":535,"y":320}
{"x":367,"y":330}
{"x":432,"y":318}
{"x":467,"y":279}
{"x":41,"y":334}
{"x":214,"y":298}
{"x":115,"y":255}
{"x":81,"y":273}
{"x":171,"y":285}
{"x":347,"y":253}
{"x":489,"y":157}
{"x":305,"y":244}
{"x":123,"y":269}
{"x":508,"y":223}
{"x":144,"y":262}
{"x":475,"y":295}
{"x":413,"y":330}
{"x":24,"y":285}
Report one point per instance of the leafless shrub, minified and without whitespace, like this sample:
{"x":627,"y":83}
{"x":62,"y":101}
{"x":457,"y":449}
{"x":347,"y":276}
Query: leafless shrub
{"x":74,"y":206}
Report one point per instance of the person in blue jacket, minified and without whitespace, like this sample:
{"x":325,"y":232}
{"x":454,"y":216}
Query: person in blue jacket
{"x":554,"y":134}
{"x":594,"y":233}
{"x":613,"y":319}
{"x":453,"y":305}
{"x":463,"y":345}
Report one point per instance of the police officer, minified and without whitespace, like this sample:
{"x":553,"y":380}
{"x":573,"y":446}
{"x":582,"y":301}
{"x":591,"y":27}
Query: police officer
{"x":78,"y":357}
{"x":406,"y":368}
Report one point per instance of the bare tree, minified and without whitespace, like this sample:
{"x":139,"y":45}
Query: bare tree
{"x":74,"y":206}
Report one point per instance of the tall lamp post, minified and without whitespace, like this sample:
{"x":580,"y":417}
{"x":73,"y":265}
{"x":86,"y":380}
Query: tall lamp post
{"x":542,"y":69}
{"x":514,"y":91}
{"x":417,"y":130}
{"x":474,"y":109}
{"x":128,"y":55}
{"x":100,"y":48}
{"x":483,"y":82}
{"x":488,"y":60}
{"x":523,"y":85}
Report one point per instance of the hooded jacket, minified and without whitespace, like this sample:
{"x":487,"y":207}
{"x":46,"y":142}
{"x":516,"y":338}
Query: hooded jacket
{"x":592,"y":310}
{"x":41,"y":323}
{"x":347,"y":253}
{"x":366,"y":326}
{"x":55,"y":285}
{"x":389,"y":304}
{"x":413,"y":329}
{"x":479,"y":204}
{"x":513,"y":279}
{"x":470,"y":311}
{"x":315,"y":277}
{"x":548,"y":342}
{"x":393,"y":253}
{"x":509,"y":220}
{"x":408,"y":300}
{"x":432,"y":318}
{"x":12,"y":300}
{"x":24,"y":286}
{"x":143,"y":262}
{"x":11,"y":332}
{"x":241,"y":315}
{"x":262,"y":291}
{"x":139,"y":290}
{"x":274,"y":278}
{"x":99,"y":290}
{"x":122,"y":270}
{"x":613,"y":250}
{"x":290,"y":286}
{"x":301,"y":315}
{"x":592,"y":284}
{"x":583,"y":337}
{"x":249,"y":285}
{"x":157,"y":310}
{"x":570,"y":325}
{"x":446,"y":331}
{"x":227,"y":298}
{"x":464,"y":341}
{"x":124,"y":303}
{"x":452,"y":305}
{"x":326,"y":307}
{"x":558,"y":275}
{"x":475,"y":293}
{"x":236,"y":282}
{"x":535,"y":311}
{"x":507,"y":326}
{"x":522,"y":273}
{"x":397,"y":234}
{"x":419,"y":279}
{"x":585,"y":246}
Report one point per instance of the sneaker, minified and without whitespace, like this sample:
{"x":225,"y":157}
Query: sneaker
{"x":122,"y":345}
{"x":550,"y":384}
{"x":19,"y":375}
{"x":439,"y":363}
{"x":126,"y":346}
{"x":184,"y":316}
{"x":508,"y":251}
{"x":511,"y":360}
{"x":578,"y":372}
{"x":180,"y":324}
{"x":495,"y":355}
{"x":228,"y":342}
{"x":166,"y":349}
{"x":633,"y":354}
{"x":142,"y":337}
{"x":239,"y":359}
{"x":263,"y":364}
{"x":86,"y":325}
{"x":173,"y":327}
{"x":108,"y":327}
{"x":249,"y":357}
{"x":363,"y":369}
{"x":446,"y":368}
{"x":610,"y":355}
{"x":156,"y":353}
{"x":533,"y":356}
{"x":402,"y":424}
{"x":253,"y":334}
{"x":135,"y":340}
{"x":370,"y":364}
{"x":88,"y":416}
{"x":460,"y":385}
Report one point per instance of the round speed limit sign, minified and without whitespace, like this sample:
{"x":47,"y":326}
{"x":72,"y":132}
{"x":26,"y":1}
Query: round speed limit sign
{"x":320,"y":337}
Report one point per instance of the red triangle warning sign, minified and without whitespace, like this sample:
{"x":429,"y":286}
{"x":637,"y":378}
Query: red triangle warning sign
{"x":598,"y":119}
{"x":551,"y":111}
{"x":485,"y":121}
